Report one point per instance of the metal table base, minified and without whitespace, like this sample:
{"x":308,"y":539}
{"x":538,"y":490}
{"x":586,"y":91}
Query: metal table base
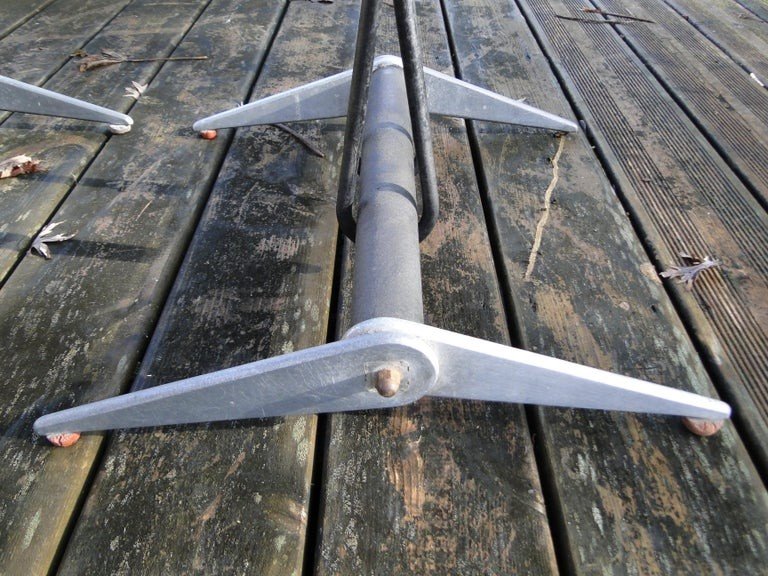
{"x":389,"y":358}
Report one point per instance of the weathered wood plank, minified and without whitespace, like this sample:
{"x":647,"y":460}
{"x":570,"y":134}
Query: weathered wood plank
{"x":634,"y":494}
{"x":232,"y":498}
{"x":16,"y":13}
{"x":728,"y":105}
{"x":42,"y":45}
{"x":65,"y":147}
{"x":742,"y":34}
{"x":438,"y":486}
{"x":682,"y":197}
{"x":757,"y":8}
{"x":74,"y":327}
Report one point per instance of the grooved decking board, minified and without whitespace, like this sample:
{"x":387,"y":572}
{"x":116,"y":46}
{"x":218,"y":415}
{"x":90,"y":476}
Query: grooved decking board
{"x":634,"y":494}
{"x":42,"y":45}
{"x":729,"y":105}
{"x":741,"y":34}
{"x":15,"y":13}
{"x":446,"y":487}
{"x":66,"y":147}
{"x":231,"y":498}
{"x":74,"y":327}
{"x":757,"y":8}
{"x":683,"y":199}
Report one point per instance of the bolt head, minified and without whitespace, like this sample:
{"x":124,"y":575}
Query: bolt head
{"x":388,"y":381}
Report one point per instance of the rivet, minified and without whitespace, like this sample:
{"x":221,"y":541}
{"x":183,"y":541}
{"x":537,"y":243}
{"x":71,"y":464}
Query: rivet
{"x":388,"y":381}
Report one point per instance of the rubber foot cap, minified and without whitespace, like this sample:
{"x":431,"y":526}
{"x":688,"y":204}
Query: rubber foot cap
{"x":702,"y":427}
{"x":63,"y":440}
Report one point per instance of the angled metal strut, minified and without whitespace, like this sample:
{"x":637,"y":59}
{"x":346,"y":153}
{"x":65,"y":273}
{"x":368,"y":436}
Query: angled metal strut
{"x":389,"y":357}
{"x":17,"y":96}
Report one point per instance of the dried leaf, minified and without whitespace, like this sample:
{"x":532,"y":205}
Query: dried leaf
{"x":39,"y":244}
{"x":112,"y":54}
{"x":135,"y":90}
{"x":93,"y":61}
{"x":17,"y":166}
{"x":109,"y":57}
{"x":688,"y":273}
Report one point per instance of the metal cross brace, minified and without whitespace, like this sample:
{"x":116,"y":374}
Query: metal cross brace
{"x":389,"y":358}
{"x":17,"y":96}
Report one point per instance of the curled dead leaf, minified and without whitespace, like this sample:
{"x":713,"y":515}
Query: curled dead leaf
{"x":17,"y":166}
{"x":92,"y":61}
{"x":109,"y":57}
{"x":135,"y":90}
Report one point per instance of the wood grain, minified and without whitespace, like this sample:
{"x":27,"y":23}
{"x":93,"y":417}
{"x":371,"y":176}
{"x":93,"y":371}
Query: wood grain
{"x":683,"y":198}
{"x":232,"y":498}
{"x":730,"y":107}
{"x":736,"y":30}
{"x":66,"y":147}
{"x":633,"y":494}
{"x":16,"y":13}
{"x":439,"y":486}
{"x":74,"y":327}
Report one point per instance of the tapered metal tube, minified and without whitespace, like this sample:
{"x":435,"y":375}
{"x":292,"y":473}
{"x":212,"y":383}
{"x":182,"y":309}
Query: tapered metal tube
{"x":387,"y":268}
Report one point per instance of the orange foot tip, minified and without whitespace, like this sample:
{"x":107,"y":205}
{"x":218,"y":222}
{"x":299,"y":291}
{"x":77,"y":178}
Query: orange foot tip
{"x":63,"y":440}
{"x":208,"y":134}
{"x":702,"y":427}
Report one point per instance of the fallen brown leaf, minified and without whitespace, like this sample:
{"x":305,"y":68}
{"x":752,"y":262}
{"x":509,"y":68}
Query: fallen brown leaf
{"x":109,"y":57}
{"x":17,"y":166}
{"x":92,"y":61}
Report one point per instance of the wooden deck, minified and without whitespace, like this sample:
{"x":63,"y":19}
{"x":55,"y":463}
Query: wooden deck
{"x":192,"y":255}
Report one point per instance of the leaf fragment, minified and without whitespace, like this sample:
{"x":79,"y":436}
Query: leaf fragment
{"x":109,"y":57}
{"x":92,"y":61}
{"x":40,"y":244}
{"x":18,"y":165}
{"x":135,"y":90}
{"x":693,"y":267}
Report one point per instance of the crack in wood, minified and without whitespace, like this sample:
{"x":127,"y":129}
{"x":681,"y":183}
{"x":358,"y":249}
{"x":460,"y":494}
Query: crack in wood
{"x":545,"y":215}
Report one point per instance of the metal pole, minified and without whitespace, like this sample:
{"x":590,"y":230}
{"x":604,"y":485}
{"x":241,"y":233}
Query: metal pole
{"x":387,"y":276}
{"x":410,"y":50}
{"x":362,"y":70}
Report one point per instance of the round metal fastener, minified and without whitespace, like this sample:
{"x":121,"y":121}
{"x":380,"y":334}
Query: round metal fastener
{"x":388,"y":381}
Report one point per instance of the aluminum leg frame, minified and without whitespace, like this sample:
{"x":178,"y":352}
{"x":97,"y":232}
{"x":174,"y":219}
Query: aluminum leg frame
{"x":17,"y":96}
{"x":389,"y":357}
